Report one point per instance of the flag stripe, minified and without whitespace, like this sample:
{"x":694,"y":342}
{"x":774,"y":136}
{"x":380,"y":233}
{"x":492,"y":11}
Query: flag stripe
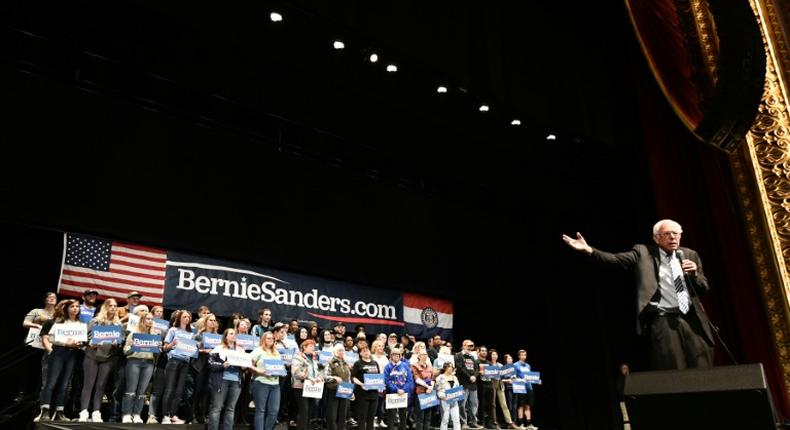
{"x":121,"y":292}
{"x":414,"y":316}
{"x":86,"y":282}
{"x":153,"y":262}
{"x":137,"y":249}
{"x":112,"y":277}
{"x":115,"y":265}
{"x":419,"y":301}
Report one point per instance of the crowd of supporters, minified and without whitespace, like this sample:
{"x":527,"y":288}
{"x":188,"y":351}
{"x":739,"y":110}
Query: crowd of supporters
{"x":88,"y":381}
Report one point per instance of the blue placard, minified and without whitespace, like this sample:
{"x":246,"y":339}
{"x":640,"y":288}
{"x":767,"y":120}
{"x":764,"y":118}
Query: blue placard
{"x":350,"y":357}
{"x":161,"y":325}
{"x":186,"y":348}
{"x":532,"y":378}
{"x":490,"y":371}
{"x":287,"y":354}
{"x":507,"y":371}
{"x":247,"y":341}
{"x":428,"y":400}
{"x":345,"y":390}
{"x":373,"y":382}
{"x":324,"y":357}
{"x":86,"y":314}
{"x":455,"y":394}
{"x":519,"y":387}
{"x":106,"y":334}
{"x":211,"y":340}
{"x":143,"y":342}
{"x":274,"y":367}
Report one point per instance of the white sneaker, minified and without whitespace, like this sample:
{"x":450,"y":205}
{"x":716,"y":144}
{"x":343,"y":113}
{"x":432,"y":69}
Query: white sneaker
{"x":252,"y":404}
{"x":152,"y":420}
{"x":165,"y":420}
{"x":84,"y":416}
{"x":175,"y":420}
{"x":126,"y":419}
{"x":137,"y":420}
{"x":96,"y":417}
{"x":531,"y":427}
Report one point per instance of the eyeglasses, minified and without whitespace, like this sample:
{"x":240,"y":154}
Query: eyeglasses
{"x":668,"y":234}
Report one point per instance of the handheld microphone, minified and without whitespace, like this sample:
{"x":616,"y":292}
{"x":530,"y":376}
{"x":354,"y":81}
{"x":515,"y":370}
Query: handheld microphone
{"x":679,"y":255}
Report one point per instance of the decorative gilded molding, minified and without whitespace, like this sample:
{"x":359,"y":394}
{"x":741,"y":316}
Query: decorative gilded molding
{"x":762,"y":177}
{"x":706,"y":38}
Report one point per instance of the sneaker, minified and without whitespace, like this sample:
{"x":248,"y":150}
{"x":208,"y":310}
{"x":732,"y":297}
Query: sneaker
{"x":96,"y":417}
{"x":383,"y":424}
{"x":43,"y":416}
{"x":351,"y":422}
{"x":152,"y":420}
{"x":251,"y":405}
{"x":84,"y":416}
{"x":137,"y":420}
{"x":127,"y":419}
{"x":175,"y":420}
{"x":60,"y":416}
{"x":531,"y":427}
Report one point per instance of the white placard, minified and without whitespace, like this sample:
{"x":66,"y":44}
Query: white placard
{"x":313,"y":390}
{"x":397,"y":401}
{"x":238,"y":358}
{"x":63,"y":333}
{"x":445,"y":358}
{"x":33,"y":339}
{"x":132,"y":322}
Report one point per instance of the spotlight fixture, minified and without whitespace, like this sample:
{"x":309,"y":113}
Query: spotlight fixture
{"x":392,"y":68}
{"x":483,"y":108}
{"x":373,"y":57}
{"x":551,"y":137}
{"x":338,"y":45}
{"x":515,"y":122}
{"x":275,"y":17}
{"x":441,"y":89}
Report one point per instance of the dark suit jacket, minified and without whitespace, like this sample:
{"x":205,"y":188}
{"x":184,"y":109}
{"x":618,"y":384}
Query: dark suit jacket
{"x":643,"y":261}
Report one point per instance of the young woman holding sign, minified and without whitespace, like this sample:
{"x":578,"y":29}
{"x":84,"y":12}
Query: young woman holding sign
{"x":139,"y":368}
{"x":424,"y":375}
{"x":337,"y":372}
{"x":177,"y":366}
{"x":366,"y":400}
{"x":444,"y":382}
{"x":265,"y":387}
{"x":62,"y":355}
{"x":224,"y":382}
{"x":206,"y":324}
{"x":97,"y":365}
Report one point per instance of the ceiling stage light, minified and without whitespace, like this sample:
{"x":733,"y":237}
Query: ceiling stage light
{"x":338,"y":45}
{"x":392,"y":68}
{"x":275,"y":17}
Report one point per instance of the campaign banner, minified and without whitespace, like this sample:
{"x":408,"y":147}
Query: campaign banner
{"x":373,"y":382}
{"x":519,"y":387}
{"x":428,"y":400}
{"x":161,"y":325}
{"x":345,"y":390}
{"x":143,"y":342}
{"x":287,"y":355}
{"x":247,"y":341}
{"x":63,"y":333}
{"x":106,"y":334}
{"x":324,"y":356}
{"x":237,"y":358}
{"x":211,"y":340}
{"x":227,"y":287}
{"x":186,"y":347}
{"x":455,"y":394}
{"x":532,"y":378}
{"x":507,"y":371}
{"x":397,"y":401}
{"x":313,"y":390}
{"x":489,"y":371}
{"x":274,"y":367}
{"x":33,"y":339}
{"x":350,"y":357}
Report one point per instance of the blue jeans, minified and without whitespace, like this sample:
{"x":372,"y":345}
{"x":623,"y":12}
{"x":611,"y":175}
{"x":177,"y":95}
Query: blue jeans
{"x":59,"y":369}
{"x":224,"y":399}
{"x":267,"y":404}
{"x":138,"y":374}
{"x":468,"y":407}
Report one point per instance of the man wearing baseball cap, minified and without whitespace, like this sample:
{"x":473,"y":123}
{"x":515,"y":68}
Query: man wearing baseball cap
{"x":88,"y":306}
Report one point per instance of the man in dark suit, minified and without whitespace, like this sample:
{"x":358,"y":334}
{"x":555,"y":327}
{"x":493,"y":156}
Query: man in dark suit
{"x":668,"y":296}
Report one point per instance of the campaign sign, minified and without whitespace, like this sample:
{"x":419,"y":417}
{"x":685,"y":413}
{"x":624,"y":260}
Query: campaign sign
{"x":507,"y":371}
{"x":70,"y":332}
{"x":397,"y":401}
{"x":142,"y":342}
{"x":33,"y":339}
{"x":287,"y":354}
{"x":238,"y":358}
{"x":490,"y":371}
{"x":455,"y":394}
{"x":86,"y":314}
{"x":274,"y":367}
{"x":445,"y":358}
{"x":519,"y":387}
{"x":373,"y":381}
{"x":428,"y":400}
{"x":532,"y":378}
{"x":324,"y":357}
{"x":132,"y":322}
{"x":187,"y":348}
{"x":161,"y":325}
{"x":345,"y":390}
{"x":247,"y":341}
{"x":211,"y":340}
{"x":350,"y":357}
{"x":106,"y":334}
{"x":313,"y":390}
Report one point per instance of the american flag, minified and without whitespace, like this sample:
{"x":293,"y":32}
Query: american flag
{"x":114,"y":269}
